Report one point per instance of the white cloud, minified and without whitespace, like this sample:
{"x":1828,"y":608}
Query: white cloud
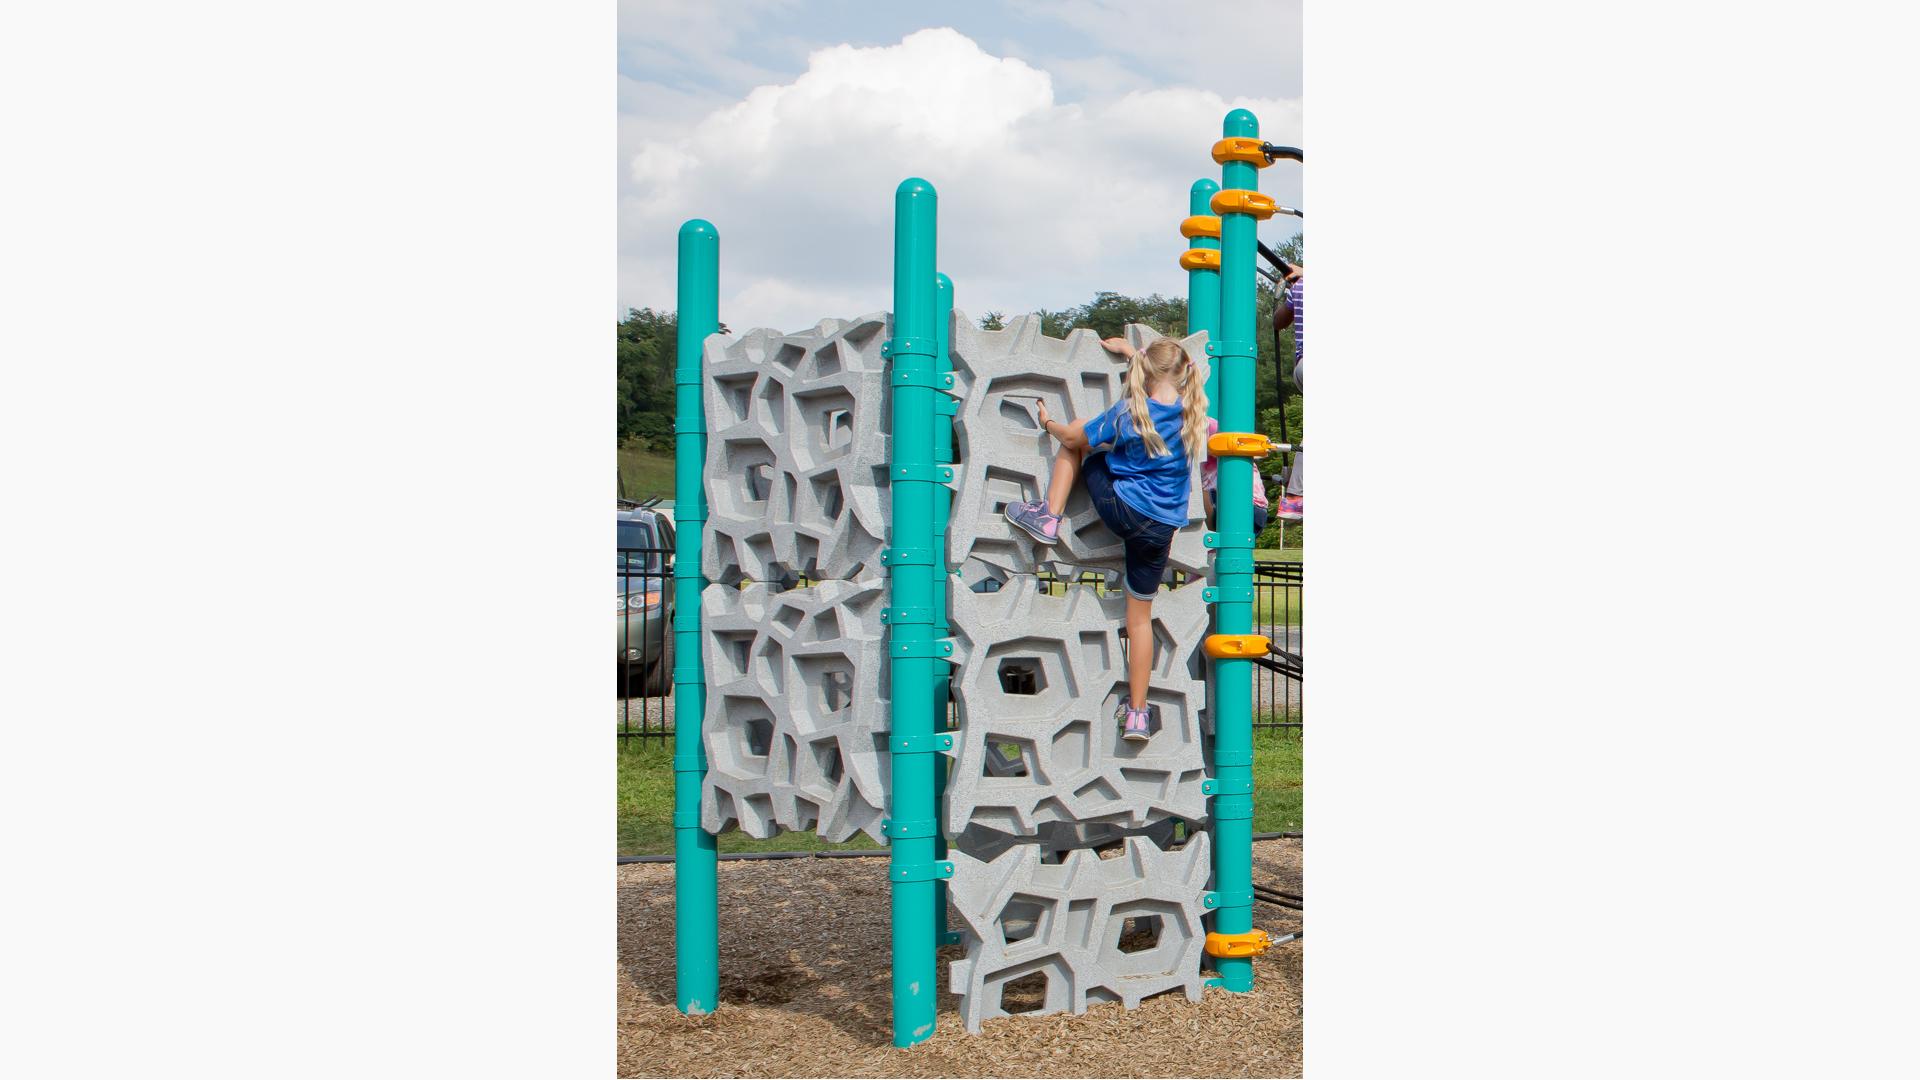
{"x":1042,"y":201}
{"x":1250,"y":45}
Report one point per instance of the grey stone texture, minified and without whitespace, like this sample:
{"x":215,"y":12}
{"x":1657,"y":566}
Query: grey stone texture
{"x":797,"y":433}
{"x":1005,"y":456}
{"x":1040,"y":680}
{"x":1095,"y":929}
{"x":798,"y":440}
{"x":1042,"y":785}
{"x":797,"y":709}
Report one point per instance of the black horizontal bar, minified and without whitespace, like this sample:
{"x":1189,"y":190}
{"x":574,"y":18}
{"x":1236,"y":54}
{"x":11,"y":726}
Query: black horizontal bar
{"x":876,"y":853}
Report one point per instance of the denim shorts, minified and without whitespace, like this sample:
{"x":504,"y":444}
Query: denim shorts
{"x":1147,"y":541}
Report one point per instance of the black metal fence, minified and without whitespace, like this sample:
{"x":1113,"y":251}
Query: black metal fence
{"x":645,"y":641}
{"x":1277,"y":701}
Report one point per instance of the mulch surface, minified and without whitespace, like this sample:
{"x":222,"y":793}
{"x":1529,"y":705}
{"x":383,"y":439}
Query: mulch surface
{"x":805,"y":991}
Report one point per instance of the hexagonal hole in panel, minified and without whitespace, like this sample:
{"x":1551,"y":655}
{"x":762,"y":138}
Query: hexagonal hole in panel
{"x":1023,"y":917}
{"x":1022,"y":675}
{"x":1045,"y":658}
{"x":1008,"y":758}
{"x":1029,"y":987}
{"x":1140,"y":936}
{"x":1025,"y":994}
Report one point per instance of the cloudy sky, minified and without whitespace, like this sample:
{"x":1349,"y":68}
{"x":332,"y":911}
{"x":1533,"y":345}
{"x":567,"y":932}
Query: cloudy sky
{"x":1062,"y":136}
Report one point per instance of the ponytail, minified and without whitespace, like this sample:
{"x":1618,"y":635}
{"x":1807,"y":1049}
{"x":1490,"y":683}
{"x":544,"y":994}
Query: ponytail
{"x":1166,"y":360}
{"x":1137,"y":406}
{"x":1193,"y":412}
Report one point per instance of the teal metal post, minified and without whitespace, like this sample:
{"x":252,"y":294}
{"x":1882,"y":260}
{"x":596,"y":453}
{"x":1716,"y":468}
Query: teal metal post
{"x":1233,"y":362}
{"x":1203,"y":288}
{"x":944,"y":408}
{"x":912,"y":648}
{"x":696,"y":865}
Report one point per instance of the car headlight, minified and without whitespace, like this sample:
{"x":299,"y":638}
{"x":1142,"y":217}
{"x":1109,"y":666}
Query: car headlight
{"x":637,"y":601}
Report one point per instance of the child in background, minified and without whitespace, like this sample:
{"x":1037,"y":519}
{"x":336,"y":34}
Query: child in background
{"x":1136,"y":461}
{"x":1294,"y":303}
{"x":1210,"y":483}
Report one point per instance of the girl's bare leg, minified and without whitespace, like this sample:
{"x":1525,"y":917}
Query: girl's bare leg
{"x":1139,"y":649}
{"x":1066,"y":469}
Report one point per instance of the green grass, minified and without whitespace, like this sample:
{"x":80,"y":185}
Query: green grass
{"x":646,"y":473}
{"x":645,"y":802}
{"x":1277,"y":554}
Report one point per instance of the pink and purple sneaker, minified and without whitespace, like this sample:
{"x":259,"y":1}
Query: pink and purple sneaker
{"x":1034,"y":518}
{"x":1134,"y":728}
{"x":1289,"y":508}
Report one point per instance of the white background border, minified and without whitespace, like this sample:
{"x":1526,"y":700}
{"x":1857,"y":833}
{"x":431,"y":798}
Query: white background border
{"x":306,"y":430}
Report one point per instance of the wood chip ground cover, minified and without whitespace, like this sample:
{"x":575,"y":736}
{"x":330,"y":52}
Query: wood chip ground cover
{"x":804,"y":991}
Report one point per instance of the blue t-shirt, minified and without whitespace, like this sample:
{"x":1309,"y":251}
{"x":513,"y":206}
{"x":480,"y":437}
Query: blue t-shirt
{"x":1155,"y":486}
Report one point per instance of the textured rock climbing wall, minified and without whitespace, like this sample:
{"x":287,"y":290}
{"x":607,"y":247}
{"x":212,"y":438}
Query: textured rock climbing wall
{"x":1056,"y":937}
{"x":796,"y":709}
{"x":797,"y":452}
{"x":1075,"y":867}
{"x":1039,"y":680}
{"x":1004,"y":456}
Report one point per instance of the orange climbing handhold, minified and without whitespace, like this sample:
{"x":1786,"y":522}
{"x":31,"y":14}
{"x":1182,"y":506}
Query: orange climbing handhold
{"x":1200,"y":259}
{"x":1242,"y":201}
{"x":1239,"y":444}
{"x":1240,"y":149}
{"x":1251,"y":943}
{"x":1200,"y":225}
{"x":1237,"y":646}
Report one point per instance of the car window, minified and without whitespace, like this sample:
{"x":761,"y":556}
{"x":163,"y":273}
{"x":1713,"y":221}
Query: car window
{"x":639,"y":547}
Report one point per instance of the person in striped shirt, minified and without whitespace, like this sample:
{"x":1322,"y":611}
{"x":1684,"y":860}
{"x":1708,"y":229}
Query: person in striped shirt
{"x":1292,"y":310}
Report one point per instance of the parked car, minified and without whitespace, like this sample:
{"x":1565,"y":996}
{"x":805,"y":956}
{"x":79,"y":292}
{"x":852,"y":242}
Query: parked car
{"x":644,"y":635}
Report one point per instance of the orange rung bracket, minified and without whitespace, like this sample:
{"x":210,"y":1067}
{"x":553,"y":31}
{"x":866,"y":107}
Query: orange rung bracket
{"x":1240,"y":149}
{"x":1200,"y":225}
{"x":1242,"y":201}
{"x":1200,"y":259}
{"x":1239,"y":444}
{"x":1251,"y":943}
{"x":1237,"y":646}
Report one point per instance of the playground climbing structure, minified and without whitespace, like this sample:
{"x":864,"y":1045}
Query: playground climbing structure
{"x":875,"y":651}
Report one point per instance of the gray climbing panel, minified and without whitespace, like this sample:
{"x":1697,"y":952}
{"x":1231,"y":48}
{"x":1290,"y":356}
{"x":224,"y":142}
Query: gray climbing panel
{"x":797,"y":452}
{"x":797,"y":709}
{"x":1056,"y":937}
{"x":1077,"y":863}
{"x":1039,"y":682}
{"x":1005,"y":457}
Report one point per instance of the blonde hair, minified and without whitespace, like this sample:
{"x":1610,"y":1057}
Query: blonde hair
{"x":1165,"y":361}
